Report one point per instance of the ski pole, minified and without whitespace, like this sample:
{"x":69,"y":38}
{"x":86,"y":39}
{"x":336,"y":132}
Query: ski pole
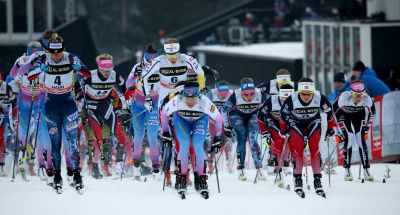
{"x":16,"y":147}
{"x":330,"y":155}
{"x":255,"y":178}
{"x":308,"y":186}
{"x":281,"y":158}
{"x":329,"y":165}
{"x":27,"y":129}
{"x":134,"y":116}
{"x":36,"y":135}
{"x":216,"y":172}
{"x":219,"y":157}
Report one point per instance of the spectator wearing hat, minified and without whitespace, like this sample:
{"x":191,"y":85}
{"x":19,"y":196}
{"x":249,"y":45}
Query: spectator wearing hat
{"x":341,"y":85}
{"x":373,"y":85}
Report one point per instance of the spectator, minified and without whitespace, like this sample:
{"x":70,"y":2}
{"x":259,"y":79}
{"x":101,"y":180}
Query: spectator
{"x":341,"y":84}
{"x":394,"y":78}
{"x":373,"y":84}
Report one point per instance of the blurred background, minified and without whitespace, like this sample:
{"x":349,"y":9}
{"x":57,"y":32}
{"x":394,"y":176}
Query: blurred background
{"x":315,"y":38}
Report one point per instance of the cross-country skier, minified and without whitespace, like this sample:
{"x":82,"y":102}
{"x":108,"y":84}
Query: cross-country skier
{"x":7,"y":101}
{"x":300,"y":118}
{"x":31,"y":101}
{"x":148,"y":118}
{"x":272,"y":88}
{"x":98,"y":88}
{"x":354,"y":112}
{"x":59,"y":68}
{"x":219,"y":96}
{"x":268,"y":118}
{"x":172,"y":68}
{"x":240,"y":115}
{"x":189,"y":114}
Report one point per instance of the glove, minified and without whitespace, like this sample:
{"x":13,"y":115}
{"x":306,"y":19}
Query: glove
{"x":148,"y":104}
{"x":44,"y":67}
{"x":329,"y":133}
{"x":216,"y":145}
{"x":228,"y":132}
{"x":365,"y":131}
{"x":166,"y":139}
{"x":77,"y":64}
{"x":286,"y":132}
{"x":266,"y":138}
{"x":339,"y":138}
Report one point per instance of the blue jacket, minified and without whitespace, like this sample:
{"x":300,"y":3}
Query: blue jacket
{"x":373,"y":85}
{"x":336,"y":93}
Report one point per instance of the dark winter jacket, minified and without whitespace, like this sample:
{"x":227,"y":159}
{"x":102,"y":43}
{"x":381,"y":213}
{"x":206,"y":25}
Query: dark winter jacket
{"x":336,"y":93}
{"x":373,"y":85}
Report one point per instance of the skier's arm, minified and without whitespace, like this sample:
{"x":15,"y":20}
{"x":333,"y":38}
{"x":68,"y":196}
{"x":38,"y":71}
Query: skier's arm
{"x":226,"y":108}
{"x":169,"y":108}
{"x":133,"y":76}
{"x":286,"y":114}
{"x":150,"y":70}
{"x":193,"y":65}
{"x":327,"y":108}
{"x":212,"y":111}
{"x":262,"y":115}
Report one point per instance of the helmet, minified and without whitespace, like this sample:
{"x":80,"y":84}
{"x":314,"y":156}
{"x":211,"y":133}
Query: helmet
{"x":150,"y":54}
{"x":33,"y":47}
{"x":191,"y":89}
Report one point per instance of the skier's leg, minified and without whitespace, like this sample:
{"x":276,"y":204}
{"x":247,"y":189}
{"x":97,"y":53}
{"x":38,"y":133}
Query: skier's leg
{"x":253,"y":140}
{"x":240,"y":129}
{"x":199,"y":132}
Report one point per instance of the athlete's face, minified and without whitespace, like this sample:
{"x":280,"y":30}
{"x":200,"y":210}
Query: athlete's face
{"x":105,"y":73}
{"x":173,"y":58}
{"x":306,"y":97}
{"x":223,"y":94}
{"x":57,"y":56}
{"x":356,"y":97}
{"x":248,"y":95}
{"x":191,"y":101}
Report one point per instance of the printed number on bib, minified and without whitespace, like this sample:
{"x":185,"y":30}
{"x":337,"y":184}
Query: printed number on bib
{"x":174,"y":80}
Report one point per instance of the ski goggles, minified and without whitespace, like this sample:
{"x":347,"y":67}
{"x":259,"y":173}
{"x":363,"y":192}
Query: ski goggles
{"x":248,"y":93}
{"x":191,"y":91}
{"x":55,"y":48}
{"x":358,"y":95}
{"x":105,"y":65}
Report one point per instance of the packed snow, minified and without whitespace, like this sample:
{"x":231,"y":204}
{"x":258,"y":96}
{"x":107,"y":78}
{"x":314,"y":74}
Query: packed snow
{"x":114,"y":196}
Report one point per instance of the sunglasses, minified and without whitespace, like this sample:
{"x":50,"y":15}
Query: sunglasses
{"x":248,"y":94}
{"x":306,"y":94}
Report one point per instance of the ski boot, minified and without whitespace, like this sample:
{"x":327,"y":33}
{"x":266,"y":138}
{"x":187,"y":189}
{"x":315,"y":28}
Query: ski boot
{"x":180,"y":185}
{"x":31,"y":169}
{"x":156,"y":174}
{"x":279,"y":178}
{"x":347,"y":175}
{"x":318,"y":185}
{"x":367,"y":175}
{"x":96,"y":171}
{"x":298,"y":185}
{"x":70,"y":175}
{"x":168,"y":181}
{"x":106,"y":170}
{"x":203,"y":187}
{"x":2,"y":172}
{"x":136,"y":172}
{"x":196,"y":181}
{"x":58,"y":182}
{"x":260,"y":175}
{"x":120,"y":152}
{"x":286,"y":168}
{"x":78,"y":183}
{"x":242,"y":174}
{"x":41,"y":173}
{"x":50,"y":177}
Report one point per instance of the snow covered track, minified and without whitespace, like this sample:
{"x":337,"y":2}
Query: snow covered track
{"x":109,"y":196}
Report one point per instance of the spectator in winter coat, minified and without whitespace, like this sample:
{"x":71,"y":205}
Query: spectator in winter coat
{"x":373,"y":85}
{"x":341,"y":84}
